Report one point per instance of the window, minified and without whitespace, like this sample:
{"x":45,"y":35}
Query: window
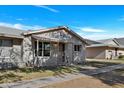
{"x":43,"y":49}
{"x":46,"y":49}
{"x":6,"y":42}
{"x":77,"y":47}
{"x":40,"y":49}
{"x":35,"y":50}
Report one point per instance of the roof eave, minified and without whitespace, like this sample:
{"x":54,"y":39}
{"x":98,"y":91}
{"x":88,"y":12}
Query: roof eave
{"x":12,"y":36}
{"x":120,"y":47}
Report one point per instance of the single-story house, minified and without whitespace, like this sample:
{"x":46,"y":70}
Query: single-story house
{"x":45,"y":47}
{"x":105,"y":49}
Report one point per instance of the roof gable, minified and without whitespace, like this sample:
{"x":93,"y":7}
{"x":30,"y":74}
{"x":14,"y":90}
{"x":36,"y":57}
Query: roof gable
{"x":56,"y":29}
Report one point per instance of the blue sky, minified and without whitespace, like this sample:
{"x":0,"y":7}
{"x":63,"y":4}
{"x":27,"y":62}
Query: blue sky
{"x":93,"y":22}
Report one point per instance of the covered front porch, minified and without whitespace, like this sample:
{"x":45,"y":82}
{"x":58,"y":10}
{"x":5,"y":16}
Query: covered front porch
{"x":51,"y":51}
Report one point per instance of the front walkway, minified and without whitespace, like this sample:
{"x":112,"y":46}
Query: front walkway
{"x":42,"y":82}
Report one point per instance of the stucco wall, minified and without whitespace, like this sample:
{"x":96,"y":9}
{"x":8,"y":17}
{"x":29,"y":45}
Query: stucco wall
{"x":71,"y":55}
{"x":28,"y":50}
{"x":110,"y":53}
{"x":113,"y":53}
{"x":79,"y":56}
{"x":103,"y":52}
{"x":120,"y":52}
{"x":97,"y":52}
{"x":11,"y":56}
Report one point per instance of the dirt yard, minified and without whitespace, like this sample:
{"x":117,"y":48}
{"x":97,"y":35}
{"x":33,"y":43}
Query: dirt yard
{"x":113,"y":79}
{"x":86,"y":82}
{"x":8,"y":76}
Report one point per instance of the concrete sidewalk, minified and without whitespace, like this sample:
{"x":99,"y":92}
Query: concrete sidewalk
{"x":42,"y":82}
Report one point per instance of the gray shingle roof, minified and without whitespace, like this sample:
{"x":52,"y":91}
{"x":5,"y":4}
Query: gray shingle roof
{"x":10,"y":31}
{"x":90,"y":42}
{"x":105,"y":45}
{"x":108,"y":41}
{"x":105,"y":40}
{"x":120,"y":41}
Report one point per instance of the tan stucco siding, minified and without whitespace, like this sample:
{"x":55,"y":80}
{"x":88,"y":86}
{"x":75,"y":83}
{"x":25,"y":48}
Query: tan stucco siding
{"x":97,"y":52}
{"x":103,"y":52}
{"x":110,"y":54}
{"x":115,"y":54}
{"x":120,"y":52}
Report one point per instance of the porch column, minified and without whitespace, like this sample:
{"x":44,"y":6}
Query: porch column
{"x":37,"y":47}
{"x":58,"y":53}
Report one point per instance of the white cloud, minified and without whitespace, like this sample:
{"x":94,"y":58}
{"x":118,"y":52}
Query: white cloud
{"x":90,"y":29}
{"x":98,"y":36}
{"x":21,"y":26}
{"x":20,"y":19}
{"x":48,"y":8}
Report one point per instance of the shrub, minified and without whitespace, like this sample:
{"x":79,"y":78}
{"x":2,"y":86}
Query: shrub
{"x":121,"y":57}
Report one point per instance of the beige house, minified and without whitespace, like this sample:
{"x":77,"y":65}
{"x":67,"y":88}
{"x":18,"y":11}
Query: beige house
{"x":45,"y":47}
{"x":105,"y":49}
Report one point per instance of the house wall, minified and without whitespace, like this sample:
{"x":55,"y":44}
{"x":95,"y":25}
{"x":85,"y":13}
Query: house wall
{"x":28,"y":50}
{"x":113,"y":53}
{"x":120,"y":52}
{"x":103,"y":52}
{"x":11,"y":56}
{"x":95,"y":52}
{"x":79,"y":56}
{"x":110,"y":53}
{"x":70,"y":54}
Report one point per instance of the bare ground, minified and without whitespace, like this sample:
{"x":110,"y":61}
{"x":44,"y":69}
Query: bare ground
{"x":84,"y":82}
{"x":103,"y":80}
{"x":114,"y":79}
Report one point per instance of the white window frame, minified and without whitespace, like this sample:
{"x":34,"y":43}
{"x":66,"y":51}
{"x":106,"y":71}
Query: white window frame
{"x":43,"y":49}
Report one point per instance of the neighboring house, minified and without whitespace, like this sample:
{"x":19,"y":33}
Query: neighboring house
{"x":47,"y":47}
{"x":105,"y":49}
{"x":120,"y":41}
